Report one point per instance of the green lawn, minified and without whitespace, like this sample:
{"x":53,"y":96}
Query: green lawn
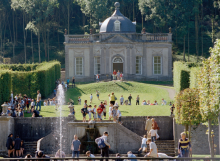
{"x":145,"y":91}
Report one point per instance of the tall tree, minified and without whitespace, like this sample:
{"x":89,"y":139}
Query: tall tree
{"x":40,"y":10}
{"x":209,"y":86}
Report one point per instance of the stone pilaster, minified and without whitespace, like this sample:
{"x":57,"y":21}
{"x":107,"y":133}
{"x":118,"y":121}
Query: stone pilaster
{"x":67,"y":62}
{"x":7,"y":127}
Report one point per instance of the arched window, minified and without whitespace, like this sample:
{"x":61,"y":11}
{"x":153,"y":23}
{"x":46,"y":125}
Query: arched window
{"x":117,"y":25}
{"x":117,"y":60}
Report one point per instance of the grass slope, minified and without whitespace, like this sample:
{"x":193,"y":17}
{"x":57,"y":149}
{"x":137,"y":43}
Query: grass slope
{"x":145,"y":91}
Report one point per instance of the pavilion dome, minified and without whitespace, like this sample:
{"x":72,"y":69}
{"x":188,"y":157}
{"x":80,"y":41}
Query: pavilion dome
{"x":117,"y":23}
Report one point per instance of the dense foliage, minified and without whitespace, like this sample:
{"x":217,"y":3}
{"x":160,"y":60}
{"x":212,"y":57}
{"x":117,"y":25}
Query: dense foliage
{"x":28,"y":82}
{"x":32,"y":30}
{"x":19,"y":67}
{"x":187,"y":111}
{"x":184,"y":75}
{"x":5,"y":85}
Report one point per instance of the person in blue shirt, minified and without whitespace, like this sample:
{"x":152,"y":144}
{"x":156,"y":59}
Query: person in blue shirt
{"x":131,"y":155}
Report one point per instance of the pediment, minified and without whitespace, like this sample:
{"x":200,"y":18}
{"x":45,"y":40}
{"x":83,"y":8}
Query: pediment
{"x":118,"y":39}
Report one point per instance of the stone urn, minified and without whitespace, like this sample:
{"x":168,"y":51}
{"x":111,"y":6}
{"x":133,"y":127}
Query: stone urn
{"x":71,"y":107}
{"x":4,"y":109}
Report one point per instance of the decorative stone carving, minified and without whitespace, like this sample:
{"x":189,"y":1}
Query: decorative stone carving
{"x":118,"y":59}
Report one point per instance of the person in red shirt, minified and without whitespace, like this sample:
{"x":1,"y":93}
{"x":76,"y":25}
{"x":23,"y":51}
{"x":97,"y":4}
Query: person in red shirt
{"x":99,"y":113}
{"x":114,"y":73}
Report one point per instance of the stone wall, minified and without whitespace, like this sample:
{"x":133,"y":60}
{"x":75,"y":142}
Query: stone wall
{"x":6,"y":127}
{"x":32,"y":129}
{"x":199,"y":140}
{"x":137,"y":125}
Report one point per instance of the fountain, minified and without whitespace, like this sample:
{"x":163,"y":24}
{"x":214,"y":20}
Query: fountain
{"x":60,"y":100}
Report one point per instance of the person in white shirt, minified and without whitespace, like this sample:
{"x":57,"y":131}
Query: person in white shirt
{"x":118,"y":115}
{"x":38,"y":100}
{"x":163,"y":102}
{"x":144,"y":144}
{"x":110,"y":111}
{"x":89,"y":155}
{"x":90,"y":112}
{"x":153,"y":149}
{"x":121,"y":100}
{"x":153,"y":134}
{"x":94,"y":113}
{"x":45,"y":102}
{"x":91,"y":97}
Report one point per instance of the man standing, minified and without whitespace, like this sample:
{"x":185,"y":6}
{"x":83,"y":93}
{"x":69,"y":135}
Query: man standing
{"x":38,"y":100}
{"x":148,"y":125}
{"x":129,"y":98}
{"x":184,"y":146}
{"x":153,"y":149}
{"x":75,"y":147}
{"x":105,"y":149}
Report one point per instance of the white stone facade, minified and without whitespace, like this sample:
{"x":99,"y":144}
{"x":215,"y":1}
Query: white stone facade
{"x":138,"y":56}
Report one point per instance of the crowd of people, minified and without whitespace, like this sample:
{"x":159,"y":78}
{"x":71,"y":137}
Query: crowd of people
{"x":18,"y":105}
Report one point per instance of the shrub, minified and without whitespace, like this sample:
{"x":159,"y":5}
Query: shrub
{"x":181,"y":75}
{"x":5,"y":86}
{"x":28,"y":82}
{"x":194,"y":77}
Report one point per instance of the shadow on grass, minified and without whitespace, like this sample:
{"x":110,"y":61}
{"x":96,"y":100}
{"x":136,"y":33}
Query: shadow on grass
{"x":164,"y":83}
{"x":124,"y":111}
{"x":74,"y":93}
{"x":129,"y":84}
{"x":121,"y":86}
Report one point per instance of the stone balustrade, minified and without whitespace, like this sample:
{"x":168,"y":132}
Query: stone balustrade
{"x":145,"y":37}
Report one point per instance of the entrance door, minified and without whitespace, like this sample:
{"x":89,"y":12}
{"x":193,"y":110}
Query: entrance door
{"x":118,"y":66}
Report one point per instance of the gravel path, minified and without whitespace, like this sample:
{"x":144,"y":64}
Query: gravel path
{"x":171,"y":92}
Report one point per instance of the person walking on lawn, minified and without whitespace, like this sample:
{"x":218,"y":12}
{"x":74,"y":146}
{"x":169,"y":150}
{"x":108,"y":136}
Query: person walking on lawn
{"x":103,"y":145}
{"x":137,"y":100}
{"x":38,"y":100}
{"x":129,"y":98}
{"x":84,"y":112}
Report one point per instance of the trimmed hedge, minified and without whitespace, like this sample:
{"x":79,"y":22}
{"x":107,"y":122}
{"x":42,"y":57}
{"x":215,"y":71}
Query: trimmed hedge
{"x":194,"y":77}
{"x":181,"y":75}
{"x":19,"y":67}
{"x":5,"y":86}
{"x":42,"y":78}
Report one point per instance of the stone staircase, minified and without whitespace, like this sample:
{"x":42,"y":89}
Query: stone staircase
{"x":165,"y":146}
{"x":30,"y":147}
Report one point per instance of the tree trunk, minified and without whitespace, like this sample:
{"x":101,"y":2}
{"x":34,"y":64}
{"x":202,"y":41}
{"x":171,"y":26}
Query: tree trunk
{"x":32,"y":48}
{"x":14,"y":36}
{"x":48,"y":46}
{"x":197,"y":35}
{"x":210,"y":138}
{"x":25,"y":53}
{"x":133,"y":12}
{"x":188,"y":44}
{"x":39,"y":46}
{"x":219,"y":129}
{"x":213,"y":31}
{"x":68,"y":7}
{"x":186,"y":130}
{"x":190,"y":153}
{"x":184,"y":47}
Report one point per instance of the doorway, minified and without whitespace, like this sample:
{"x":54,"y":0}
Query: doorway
{"x":118,"y":66}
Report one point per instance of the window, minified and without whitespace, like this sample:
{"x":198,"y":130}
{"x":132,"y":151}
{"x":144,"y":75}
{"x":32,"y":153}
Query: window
{"x":97,"y":65}
{"x":79,"y":66}
{"x":138,"y":65}
{"x":157,"y":65}
{"x":117,"y":25}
